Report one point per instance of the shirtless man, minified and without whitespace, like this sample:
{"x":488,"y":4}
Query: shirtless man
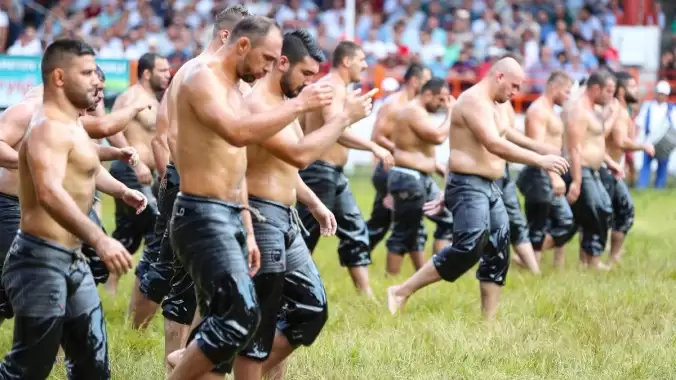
{"x":544,"y":192}
{"x":211,"y":227}
{"x":14,"y":123}
{"x":288,"y":283}
{"x":166,"y":281}
{"x":620,"y":141}
{"x":477,"y":160}
{"x":586,"y":149}
{"x":325,"y":176}
{"x":47,"y":279}
{"x":381,"y":213}
{"x":131,"y":229}
{"x":415,"y":137}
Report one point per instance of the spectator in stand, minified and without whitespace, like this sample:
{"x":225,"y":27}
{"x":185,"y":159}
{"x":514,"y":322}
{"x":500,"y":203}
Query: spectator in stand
{"x":589,"y":24}
{"x":27,"y":44}
{"x":555,"y":40}
{"x":430,"y":51}
{"x":575,"y":68}
{"x":540,"y":71}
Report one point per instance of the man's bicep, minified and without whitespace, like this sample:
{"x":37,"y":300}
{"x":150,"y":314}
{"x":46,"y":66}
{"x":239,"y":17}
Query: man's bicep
{"x":577,"y":125}
{"x":210,"y":106}
{"x":481,"y":124}
{"x":14,"y":124}
{"x":535,"y":126}
{"x":336,"y":107}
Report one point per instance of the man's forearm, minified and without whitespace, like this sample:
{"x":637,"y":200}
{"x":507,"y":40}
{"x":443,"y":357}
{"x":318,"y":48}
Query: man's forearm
{"x":62,"y":208}
{"x":107,"y":184}
{"x":350,"y":139}
{"x":109,"y":153}
{"x":246,"y":214}
{"x":9,"y":158}
{"x":161,"y":154}
{"x":306,"y":196}
{"x":118,"y":140}
{"x":526,"y":142}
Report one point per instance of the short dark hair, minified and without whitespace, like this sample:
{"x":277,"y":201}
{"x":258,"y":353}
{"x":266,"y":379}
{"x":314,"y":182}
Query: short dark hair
{"x":228,"y":17}
{"x":343,"y":50}
{"x":254,"y":28}
{"x":434,"y":85}
{"x":600,"y":77}
{"x":559,"y":75}
{"x":298,"y":44}
{"x":100,"y":73}
{"x":146,"y":62}
{"x":59,"y":53}
{"x":414,"y":70}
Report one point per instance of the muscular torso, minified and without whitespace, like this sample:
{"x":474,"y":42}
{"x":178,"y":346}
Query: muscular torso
{"x":411,"y":151}
{"x":79,"y":182}
{"x":208,"y":165}
{"x":468,"y":155}
{"x":553,"y":125}
{"x":140,"y":133}
{"x":338,"y":153}
{"x":269,"y":177}
{"x":9,"y":178}
{"x":593,"y":149}
{"x":623,"y":125}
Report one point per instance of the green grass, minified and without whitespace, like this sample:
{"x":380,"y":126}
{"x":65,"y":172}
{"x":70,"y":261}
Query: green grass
{"x":565,"y":325}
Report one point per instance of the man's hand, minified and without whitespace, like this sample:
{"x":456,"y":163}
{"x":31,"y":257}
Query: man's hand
{"x":573,"y":192}
{"x":114,"y":255}
{"x":435,"y":206}
{"x":135,"y":199}
{"x":326,"y":219}
{"x":553,"y":163}
{"x":388,"y":202}
{"x":383,"y":155}
{"x":254,"y":255}
{"x":649,"y":148}
{"x":616,"y":169}
{"x":143,"y":174}
{"x":359,"y":106}
{"x":143,"y":104}
{"x":129,"y":156}
{"x":558,"y":186}
{"x":316,"y":95}
{"x":440,"y":169}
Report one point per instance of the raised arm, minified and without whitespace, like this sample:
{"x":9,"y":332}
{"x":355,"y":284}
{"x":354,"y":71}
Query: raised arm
{"x":211,"y":107}
{"x":482,"y":125}
{"x":107,"y":125}
{"x":118,"y":139}
{"x":423,"y":125}
{"x":47,"y":149}
{"x":13,"y":125}
{"x":160,"y":142}
{"x":301,"y":153}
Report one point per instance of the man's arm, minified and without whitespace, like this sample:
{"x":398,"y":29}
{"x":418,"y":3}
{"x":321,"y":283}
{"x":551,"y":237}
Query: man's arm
{"x":620,"y":134}
{"x":482,"y":125}
{"x":107,"y":184}
{"x":107,"y":125}
{"x":246,"y":214}
{"x":575,"y":131}
{"x":535,"y":130}
{"x":47,"y":150}
{"x":107,"y":153}
{"x":210,"y":105}
{"x":515,"y":136}
{"x":381,"y":125}
{"x":13,"y":125}
{"x":160,"y":142}
{"x":306,"y":196}
{"x":423,"y":126}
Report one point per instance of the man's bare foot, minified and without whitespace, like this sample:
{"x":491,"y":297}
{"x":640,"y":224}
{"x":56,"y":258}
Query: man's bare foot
{"x":600,"y":266}
{"x":395,"y":302}
{"x":174,"y":358}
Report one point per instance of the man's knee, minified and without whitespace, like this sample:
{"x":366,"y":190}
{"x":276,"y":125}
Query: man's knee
{"x":303,"y":317}
{"x":180,"y":304}
{"x":456,"y":259}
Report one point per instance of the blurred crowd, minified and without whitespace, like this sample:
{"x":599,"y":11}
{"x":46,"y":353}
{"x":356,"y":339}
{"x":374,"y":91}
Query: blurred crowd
{"x":457,"y":38}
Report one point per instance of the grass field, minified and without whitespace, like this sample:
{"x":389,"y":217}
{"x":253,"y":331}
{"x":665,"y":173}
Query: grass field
{"x":565,"y":325}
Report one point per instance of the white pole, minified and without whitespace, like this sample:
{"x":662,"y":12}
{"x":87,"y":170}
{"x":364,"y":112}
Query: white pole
{"x":350,"y":8}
